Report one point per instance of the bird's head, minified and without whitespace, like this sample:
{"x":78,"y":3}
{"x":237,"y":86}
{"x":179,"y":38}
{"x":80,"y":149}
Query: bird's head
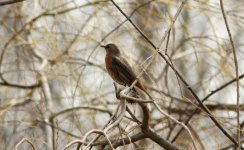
{"x":111,"y":49}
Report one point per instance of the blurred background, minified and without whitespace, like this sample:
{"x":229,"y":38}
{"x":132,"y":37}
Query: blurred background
{"x":55,"y":88}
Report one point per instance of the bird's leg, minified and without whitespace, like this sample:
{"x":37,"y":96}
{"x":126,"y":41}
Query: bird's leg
{"x":117,"y":91}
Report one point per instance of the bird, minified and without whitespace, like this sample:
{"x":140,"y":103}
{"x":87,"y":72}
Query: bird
{"x":119,"y":69}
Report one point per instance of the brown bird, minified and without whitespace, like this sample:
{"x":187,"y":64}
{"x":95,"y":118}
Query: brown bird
{"x":118,"y":68}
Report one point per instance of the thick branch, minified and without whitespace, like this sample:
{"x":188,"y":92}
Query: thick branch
{"x":159,"y":140}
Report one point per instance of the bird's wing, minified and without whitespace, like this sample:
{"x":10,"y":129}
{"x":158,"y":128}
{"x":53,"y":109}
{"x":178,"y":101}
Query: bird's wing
{"x":123,"y":69}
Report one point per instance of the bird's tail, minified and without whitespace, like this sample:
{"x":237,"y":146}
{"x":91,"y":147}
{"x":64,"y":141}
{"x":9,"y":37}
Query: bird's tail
{"x":139,"y":85}
{"x":148,"y":106}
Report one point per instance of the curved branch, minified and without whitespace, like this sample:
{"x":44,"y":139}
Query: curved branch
{"x":79,"y":107}
{"x":22,"y":141}
{"x":26,"y":87}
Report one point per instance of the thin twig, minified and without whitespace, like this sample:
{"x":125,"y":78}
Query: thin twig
{"x":115,"y":123}
{"x":99,"y":132}
{"x":54,"y":115}
{"x":108,"y":122}
{"x":178,"y":122}
{"x":10,"y":2}
{"x":122,"y":141}
{"x":22,"y":141}
{"x":138,"y":100}
{"x":72,"y":143}
{"x":237,"y":75}
{"x":203,"y":100}
{"x":19,"y":86}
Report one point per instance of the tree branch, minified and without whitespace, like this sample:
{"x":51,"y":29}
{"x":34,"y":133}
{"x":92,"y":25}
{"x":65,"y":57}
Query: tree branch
{"x":10,"y":2}
{"x":179,"y":75}
{"x":237,"y":75}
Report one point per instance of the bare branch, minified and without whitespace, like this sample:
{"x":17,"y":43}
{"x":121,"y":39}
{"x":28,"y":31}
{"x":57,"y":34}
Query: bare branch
{"x":237,"y":76}
{"x":25,"y":140}
{"x":10,"y":2}
{"x":180,"y":77}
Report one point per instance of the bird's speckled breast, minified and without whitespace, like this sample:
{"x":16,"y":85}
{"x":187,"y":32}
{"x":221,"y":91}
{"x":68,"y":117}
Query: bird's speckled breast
{"x":112,"y":72}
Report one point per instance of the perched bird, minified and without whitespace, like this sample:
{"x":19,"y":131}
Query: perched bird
{"x":118,"y":68}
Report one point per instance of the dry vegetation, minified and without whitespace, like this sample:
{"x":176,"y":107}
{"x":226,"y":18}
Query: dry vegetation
{"x":56,"y":94}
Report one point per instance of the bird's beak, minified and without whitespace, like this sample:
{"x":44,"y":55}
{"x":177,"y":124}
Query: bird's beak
{"x":103,"y":46}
